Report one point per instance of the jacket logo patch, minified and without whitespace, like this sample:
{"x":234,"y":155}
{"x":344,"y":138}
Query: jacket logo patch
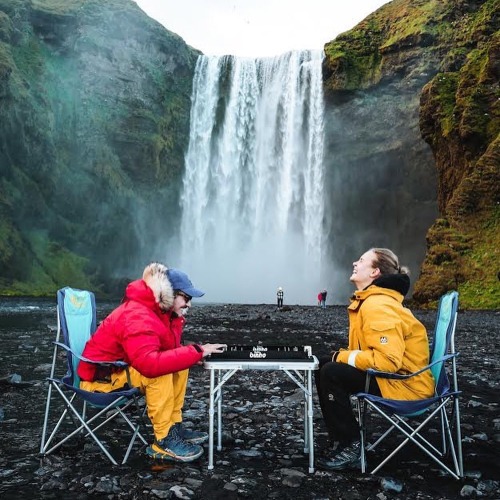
{"x":383,"y":340}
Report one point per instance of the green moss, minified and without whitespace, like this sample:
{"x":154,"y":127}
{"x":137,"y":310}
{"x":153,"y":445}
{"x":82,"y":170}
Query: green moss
{"x":412,"y":20}
{"x":64,"y":7}
{"x":482,"y":289}
{"x":6,"y":62}
{"x":9,"y":240}
{"x":464,"y":259}
{"x":58,"y":6}
{"x":477,"y":97}
{"x":28,"y":59}
{"x":444,"y":95}
{"x":53,"y":266}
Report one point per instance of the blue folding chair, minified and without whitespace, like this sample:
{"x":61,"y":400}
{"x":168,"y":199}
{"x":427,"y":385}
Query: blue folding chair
{"x":76,"y":321}
{"x":411,"y":417}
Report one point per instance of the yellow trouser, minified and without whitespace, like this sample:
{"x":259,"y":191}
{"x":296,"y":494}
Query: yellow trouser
{"x":164,"y":395}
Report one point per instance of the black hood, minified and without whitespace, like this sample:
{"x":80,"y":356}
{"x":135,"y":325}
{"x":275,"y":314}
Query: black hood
{"x":398,"y":282}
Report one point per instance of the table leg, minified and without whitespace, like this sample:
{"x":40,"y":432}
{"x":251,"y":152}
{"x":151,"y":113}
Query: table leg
{"x":211,"y":410}
{"x":306,"y":414}
{"x":219,"y":413}
{"x":310,"y":418}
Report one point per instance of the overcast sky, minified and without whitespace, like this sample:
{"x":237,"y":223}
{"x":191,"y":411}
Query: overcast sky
{"x":258,"y":28}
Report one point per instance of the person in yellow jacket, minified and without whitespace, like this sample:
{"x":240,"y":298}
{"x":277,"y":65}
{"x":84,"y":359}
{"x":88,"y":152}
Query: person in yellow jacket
{"x":383,"y":335}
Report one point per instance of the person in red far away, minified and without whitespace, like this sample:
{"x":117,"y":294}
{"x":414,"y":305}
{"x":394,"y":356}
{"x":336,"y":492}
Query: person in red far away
{"x":145,"y":331}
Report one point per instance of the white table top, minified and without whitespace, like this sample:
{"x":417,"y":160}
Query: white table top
{"x":269,"y":364}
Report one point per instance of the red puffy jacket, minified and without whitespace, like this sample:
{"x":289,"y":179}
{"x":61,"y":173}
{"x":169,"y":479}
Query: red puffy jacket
{"x":140,"y":334}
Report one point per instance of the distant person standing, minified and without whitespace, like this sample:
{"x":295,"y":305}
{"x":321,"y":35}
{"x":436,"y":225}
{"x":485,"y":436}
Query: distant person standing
{"x":279,"y":296}
{"x":320,"y":298}
{"x":323,"y":298}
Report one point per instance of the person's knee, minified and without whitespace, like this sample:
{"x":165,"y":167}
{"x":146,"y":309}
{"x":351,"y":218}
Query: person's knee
{"x":333,"y":372}
{"x":162,"y":380}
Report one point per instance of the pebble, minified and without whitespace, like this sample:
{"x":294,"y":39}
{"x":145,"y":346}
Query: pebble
{"x":389,"y":484}
{"x":470,"y":491}
{"x":182,"y":492}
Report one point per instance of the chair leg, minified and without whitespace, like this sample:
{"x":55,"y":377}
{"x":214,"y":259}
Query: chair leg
{"x":46,"y":418}
{"x":458,"y":434}
{"x":85,"y":425}
{"x":46,"y":442}
{"x":362,"y":431}
{"x":415,"y":438}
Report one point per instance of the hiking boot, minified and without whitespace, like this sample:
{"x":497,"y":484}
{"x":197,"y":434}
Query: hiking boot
{"x":331,"y":448}
{"x":348,"y":458}
{"x":174,"y":448}
{"x":191,"y":436}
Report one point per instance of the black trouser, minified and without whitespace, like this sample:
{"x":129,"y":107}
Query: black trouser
{"x":335,"y":382}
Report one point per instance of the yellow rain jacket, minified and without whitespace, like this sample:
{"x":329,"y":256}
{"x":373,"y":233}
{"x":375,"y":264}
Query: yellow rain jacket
{"x":385,"y":336}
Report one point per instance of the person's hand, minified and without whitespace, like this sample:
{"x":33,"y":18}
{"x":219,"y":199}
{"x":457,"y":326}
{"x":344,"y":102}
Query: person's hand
{"x":211,"y":348}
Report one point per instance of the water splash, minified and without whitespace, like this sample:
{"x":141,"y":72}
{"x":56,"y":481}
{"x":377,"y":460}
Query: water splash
{"x":253,"y":201}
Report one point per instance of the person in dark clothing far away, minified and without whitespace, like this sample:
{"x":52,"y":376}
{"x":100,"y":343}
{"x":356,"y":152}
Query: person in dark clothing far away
{"x":323,"y":294}
{"x":279,"y":297}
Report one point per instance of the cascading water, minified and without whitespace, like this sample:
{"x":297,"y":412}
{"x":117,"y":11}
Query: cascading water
{"x":253,"y":201}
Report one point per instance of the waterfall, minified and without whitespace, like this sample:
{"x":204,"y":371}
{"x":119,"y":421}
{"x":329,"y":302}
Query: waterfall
{"x":253,"y":200}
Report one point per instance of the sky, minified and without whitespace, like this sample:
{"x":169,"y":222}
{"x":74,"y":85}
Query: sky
{"x":258,"y":28}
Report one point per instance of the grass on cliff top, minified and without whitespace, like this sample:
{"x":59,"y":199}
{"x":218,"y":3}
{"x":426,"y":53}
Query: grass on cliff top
{"x":400,"y":23}
{"x":392,"y":23}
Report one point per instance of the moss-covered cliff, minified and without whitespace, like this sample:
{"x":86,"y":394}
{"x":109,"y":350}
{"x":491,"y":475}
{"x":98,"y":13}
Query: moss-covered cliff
{"x":94,"y":121}
{"x":446,"y":53}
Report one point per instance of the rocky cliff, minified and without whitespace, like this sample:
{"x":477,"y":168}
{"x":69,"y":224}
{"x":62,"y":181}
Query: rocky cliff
{"x":94,"y":121}
{"x":415,"y":71}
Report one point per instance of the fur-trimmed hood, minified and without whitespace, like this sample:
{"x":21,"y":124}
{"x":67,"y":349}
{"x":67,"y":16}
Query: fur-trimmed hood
{"x":155,"y":276}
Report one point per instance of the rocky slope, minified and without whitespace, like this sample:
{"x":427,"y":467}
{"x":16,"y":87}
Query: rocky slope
{"x":428,"y":71}
{"x":94,"y":120}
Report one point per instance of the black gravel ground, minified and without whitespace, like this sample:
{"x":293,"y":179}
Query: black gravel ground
{"x":262,"y":456}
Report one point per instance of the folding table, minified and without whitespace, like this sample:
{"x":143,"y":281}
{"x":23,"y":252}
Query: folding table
{"x":298,"y":370}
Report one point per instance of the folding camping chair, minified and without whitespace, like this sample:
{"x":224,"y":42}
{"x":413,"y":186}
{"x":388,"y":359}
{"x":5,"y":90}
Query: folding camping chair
{"x":411,"y":417}
{"x":76,"y":320}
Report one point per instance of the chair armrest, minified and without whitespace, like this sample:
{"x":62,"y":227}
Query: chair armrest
{"x":398,"y":376}
{"x":118,"y":364}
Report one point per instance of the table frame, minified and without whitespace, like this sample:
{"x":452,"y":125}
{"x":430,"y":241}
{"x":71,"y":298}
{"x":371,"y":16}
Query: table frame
{"x":299,"y":371}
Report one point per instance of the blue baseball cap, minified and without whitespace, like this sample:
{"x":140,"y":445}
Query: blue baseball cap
{"x":180,"y":281}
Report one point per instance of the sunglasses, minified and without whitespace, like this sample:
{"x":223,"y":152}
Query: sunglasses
{"x":186,"y":297}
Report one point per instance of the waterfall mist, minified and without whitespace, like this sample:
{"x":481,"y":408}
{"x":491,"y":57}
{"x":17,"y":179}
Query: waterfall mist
{"x":253,"y":189}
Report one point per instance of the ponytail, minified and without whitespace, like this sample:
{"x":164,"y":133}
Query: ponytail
{"x":388,"y":263}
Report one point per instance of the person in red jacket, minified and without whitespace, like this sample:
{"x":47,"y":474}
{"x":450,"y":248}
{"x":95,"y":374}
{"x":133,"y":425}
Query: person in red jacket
{"x":145,"y":331}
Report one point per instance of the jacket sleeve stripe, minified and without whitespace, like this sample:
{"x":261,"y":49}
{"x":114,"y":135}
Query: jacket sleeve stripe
{"x":352,"y":358}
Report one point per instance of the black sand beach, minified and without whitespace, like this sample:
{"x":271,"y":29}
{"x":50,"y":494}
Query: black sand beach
{"x":263,"y":446}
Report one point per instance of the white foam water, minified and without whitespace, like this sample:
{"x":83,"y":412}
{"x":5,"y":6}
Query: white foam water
{"x":253,"y":191}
